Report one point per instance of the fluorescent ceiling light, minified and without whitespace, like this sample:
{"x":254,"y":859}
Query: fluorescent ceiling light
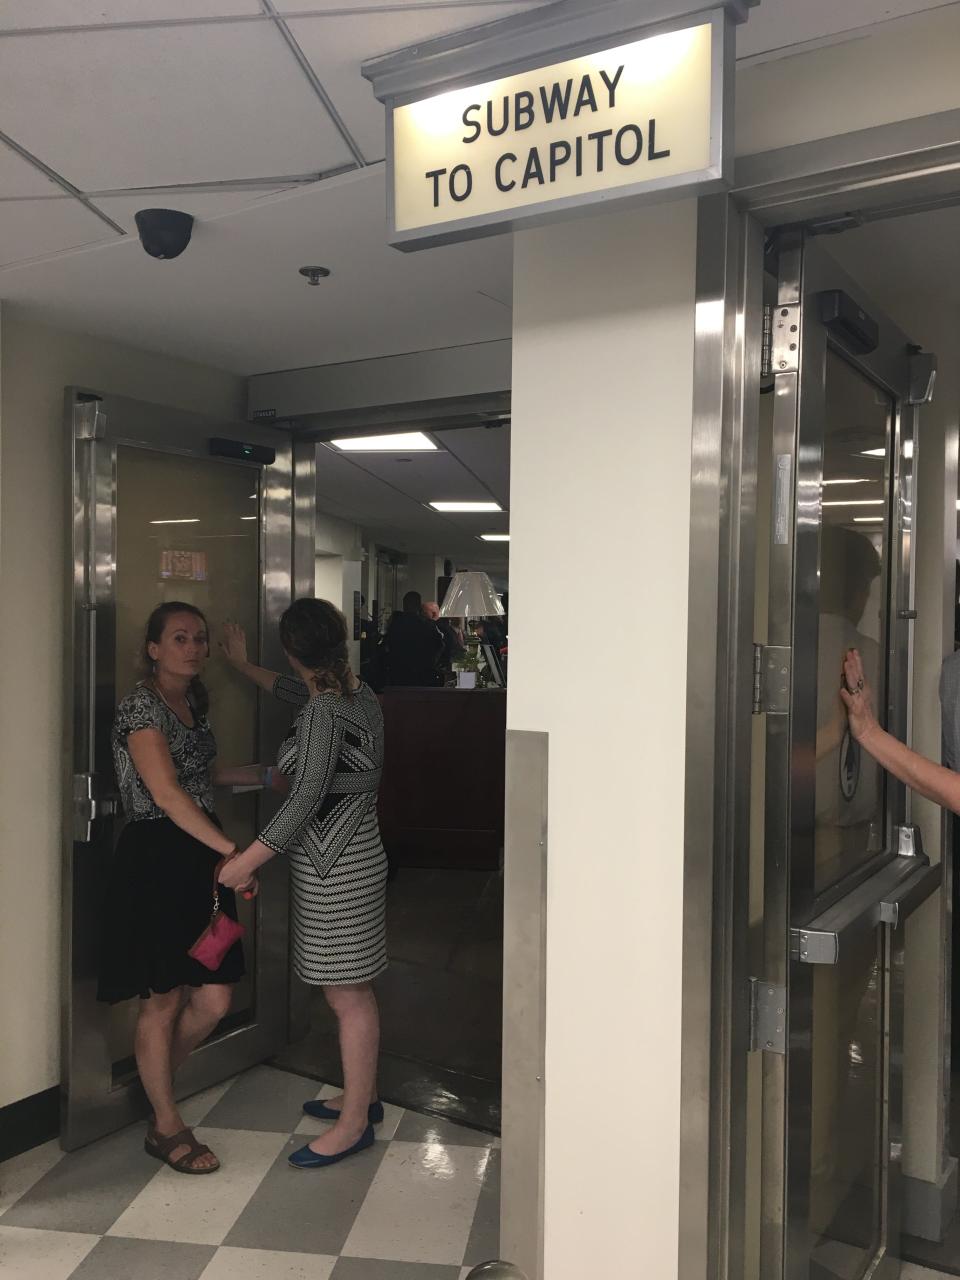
{"x":874,"y":453}
{"x":505,"y":537}
{"x":478,"y":507}
{"x":868,"y":519}
{"x":859,"y":480}
{"x":248,"y":517}
{"x":192,"y":520}
{"x":404,"y":442}
{"x":856,"y":502}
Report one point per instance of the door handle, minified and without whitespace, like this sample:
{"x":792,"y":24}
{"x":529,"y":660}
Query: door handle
{"x":88,"y":807}
{"x":905,"y":899}
{"x":886,"y":898}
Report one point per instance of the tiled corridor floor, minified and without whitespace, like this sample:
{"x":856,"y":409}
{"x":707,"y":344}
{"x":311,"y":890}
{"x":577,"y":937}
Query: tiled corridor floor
{"x":422,"y":1204}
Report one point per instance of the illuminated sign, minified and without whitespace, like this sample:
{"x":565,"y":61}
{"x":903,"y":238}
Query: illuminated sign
{"x":636,"y":121}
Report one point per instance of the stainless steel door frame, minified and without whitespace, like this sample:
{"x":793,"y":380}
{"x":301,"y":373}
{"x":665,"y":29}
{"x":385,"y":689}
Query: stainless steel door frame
{"x":799,"y":347}
{"x":96,"y":424}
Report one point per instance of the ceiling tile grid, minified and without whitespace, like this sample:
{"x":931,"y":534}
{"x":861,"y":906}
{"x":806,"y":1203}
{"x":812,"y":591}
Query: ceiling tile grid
{"x":31,"y":229}
{"x":337,"y":47}
{"x":132,"y":108}
{"x":20,"y":15}
{"x":388,"y":496}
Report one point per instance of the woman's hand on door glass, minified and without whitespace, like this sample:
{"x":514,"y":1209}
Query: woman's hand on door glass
{"x":233,"y":644}
{"x":857,"y":696}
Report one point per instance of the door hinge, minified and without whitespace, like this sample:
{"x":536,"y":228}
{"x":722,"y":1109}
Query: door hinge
{"x":89,"y":420}
{"x":768,"y":1017}
{"x":785,"y":339}
{"x":766,"y":342}
{"x":771,"y":679}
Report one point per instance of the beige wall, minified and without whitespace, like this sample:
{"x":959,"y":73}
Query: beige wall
{"x":36,"y":363}
{"x":897,"y":71}
{"x":602,"y":398}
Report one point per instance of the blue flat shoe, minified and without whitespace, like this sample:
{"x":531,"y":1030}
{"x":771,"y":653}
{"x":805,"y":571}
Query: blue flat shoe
{"x":307,"y":1159}
{"x":320,"y":1111}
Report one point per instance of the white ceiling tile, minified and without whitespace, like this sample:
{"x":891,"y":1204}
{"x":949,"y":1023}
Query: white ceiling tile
{"x":18,"y":177}
{"x":393,"y":509}
{"x":27,"y":14}
{"x":235,"y":300}
{"x":426,"y":477}
{"x":32,"y":228}
{"x":485,"y":451}
{"x":489,"y":9}
{"x":131,"y":108}
{"x":336,"y":47}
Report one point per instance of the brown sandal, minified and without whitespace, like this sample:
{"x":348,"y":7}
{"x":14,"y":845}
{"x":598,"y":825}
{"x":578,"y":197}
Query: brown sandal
{"x":160,"y":1148}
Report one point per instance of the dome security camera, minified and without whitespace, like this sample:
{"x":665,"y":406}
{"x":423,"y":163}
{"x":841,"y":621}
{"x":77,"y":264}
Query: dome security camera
{"x":164,"y":233}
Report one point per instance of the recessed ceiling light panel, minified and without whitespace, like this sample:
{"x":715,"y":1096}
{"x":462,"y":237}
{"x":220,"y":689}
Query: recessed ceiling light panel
{"x":403,"y":442}
{"x":469,"y":508}
{"x":494,"y":537}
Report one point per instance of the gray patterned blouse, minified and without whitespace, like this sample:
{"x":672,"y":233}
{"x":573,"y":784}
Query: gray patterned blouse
{"x":192,"y":750}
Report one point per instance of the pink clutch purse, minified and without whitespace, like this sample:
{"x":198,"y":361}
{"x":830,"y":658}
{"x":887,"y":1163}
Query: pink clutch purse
{"x":219,"y":935}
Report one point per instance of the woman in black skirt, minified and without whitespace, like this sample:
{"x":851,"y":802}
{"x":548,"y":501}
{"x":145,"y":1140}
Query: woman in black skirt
{"x":160,"y":893}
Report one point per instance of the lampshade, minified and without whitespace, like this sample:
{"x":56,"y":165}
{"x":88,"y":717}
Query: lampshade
{"x":471,"y":595}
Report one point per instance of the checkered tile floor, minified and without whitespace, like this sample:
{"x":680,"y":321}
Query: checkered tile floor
{"x":423,"y":1204}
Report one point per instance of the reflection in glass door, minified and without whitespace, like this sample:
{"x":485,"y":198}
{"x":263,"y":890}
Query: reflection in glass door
{"x":839,"y":867}
{"x":189,"y":529}
{"x":156,"y":518}
{"x":853,"y":611}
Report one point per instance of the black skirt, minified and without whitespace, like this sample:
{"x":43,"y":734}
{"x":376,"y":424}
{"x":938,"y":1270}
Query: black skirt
{"x":158,"y":901}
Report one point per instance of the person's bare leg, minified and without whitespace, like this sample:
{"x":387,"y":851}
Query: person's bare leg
{"x":358,"y":1020}
{"x":202,"y":1011}
{"x":153,"y":1047}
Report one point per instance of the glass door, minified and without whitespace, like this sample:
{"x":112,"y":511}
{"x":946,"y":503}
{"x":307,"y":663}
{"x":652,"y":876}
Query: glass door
{"x":842,"y":865}
{"x":157,"y":518}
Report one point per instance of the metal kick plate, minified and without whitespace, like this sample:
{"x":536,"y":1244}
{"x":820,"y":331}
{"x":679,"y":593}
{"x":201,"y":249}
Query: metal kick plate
{"x":768,"y":1017}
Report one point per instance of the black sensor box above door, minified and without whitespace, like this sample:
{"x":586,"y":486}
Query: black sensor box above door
{"x":848,"y":322}
{"x":261,"y":453}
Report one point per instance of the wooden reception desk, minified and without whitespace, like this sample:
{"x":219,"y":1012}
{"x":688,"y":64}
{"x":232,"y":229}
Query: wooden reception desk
{"x":441,"y":799}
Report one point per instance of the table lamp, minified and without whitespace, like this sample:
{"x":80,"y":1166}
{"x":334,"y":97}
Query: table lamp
{"x":471,"y":596}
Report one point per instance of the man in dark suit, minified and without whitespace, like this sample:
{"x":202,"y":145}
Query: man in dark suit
{"x":412,"y":646}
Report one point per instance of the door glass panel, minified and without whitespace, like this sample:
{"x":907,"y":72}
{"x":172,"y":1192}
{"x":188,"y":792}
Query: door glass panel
{"x":853,"y":614}
{"x":209,"y":558}
{"x":845,"y":1173}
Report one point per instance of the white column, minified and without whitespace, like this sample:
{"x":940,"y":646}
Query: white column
{"x":600,"y":496}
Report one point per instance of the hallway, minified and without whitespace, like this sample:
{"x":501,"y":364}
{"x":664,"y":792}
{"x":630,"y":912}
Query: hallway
{"x":422,"y":1204}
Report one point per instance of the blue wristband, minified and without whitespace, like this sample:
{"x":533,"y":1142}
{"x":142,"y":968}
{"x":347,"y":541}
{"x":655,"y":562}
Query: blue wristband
{"x":268,"y":776}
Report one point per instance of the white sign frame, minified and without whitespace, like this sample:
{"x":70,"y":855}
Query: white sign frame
{"x":715,"y":175}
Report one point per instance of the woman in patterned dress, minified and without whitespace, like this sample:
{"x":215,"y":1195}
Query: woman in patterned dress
{"x":160,"y":885}
{"x":328,"y":829}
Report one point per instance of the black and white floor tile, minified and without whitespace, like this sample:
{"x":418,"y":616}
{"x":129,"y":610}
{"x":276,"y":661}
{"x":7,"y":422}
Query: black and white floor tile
{"x":422,"y":1204}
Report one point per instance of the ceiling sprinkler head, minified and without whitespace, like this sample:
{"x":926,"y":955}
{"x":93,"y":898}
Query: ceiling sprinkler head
{"x":315,"y":274}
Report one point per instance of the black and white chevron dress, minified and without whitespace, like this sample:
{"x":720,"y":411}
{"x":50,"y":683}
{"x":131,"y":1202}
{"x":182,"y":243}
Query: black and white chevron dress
{"x":327,"y":826}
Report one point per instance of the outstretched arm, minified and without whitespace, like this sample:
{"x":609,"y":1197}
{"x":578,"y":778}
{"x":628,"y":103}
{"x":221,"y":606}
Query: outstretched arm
{"x":938,"y":784}
{"x":318,"y":747}
{"x":233,"y":646}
